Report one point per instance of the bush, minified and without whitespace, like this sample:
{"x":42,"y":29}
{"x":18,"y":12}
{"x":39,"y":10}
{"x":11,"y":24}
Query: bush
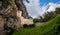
{"x":25,"y":25}
{"x":28,"y":26}
{"x":11,"y":30}
{"x":32,"y":25}
{"x":35,"y":20}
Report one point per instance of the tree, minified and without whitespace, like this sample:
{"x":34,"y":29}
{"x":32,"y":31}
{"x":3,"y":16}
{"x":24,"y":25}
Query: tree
{"x":57,"y":11}
{"x":40,"y":19}
{"x":35,"y":20}
{"x":47,"y":16}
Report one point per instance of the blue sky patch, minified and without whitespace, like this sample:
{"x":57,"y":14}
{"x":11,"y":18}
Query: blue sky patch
{"x":42,"y":2}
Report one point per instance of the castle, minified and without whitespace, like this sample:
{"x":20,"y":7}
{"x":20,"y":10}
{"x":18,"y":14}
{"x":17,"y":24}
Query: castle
{"x":23,"y":20}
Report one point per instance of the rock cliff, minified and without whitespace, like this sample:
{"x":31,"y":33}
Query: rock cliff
{"x":21,"y":7}
{"x":8,"y":15}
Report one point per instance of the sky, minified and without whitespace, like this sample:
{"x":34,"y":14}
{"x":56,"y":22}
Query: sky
{"x":37,"y":8}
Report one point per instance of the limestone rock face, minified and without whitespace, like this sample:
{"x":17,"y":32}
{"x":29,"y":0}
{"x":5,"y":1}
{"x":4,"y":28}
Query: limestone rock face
{"x":8,"y":15}
{"x":22,"y":8}
{"x":1,"y":25}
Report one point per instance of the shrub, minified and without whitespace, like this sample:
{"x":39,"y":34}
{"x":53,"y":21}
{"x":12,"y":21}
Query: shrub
{"x":28,"y":26}
{"x":32,"y":25}
{"x":25,"y":25}
{"x":35,"y":20}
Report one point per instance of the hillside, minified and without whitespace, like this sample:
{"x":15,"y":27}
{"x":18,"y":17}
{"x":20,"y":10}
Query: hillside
{"x":50,"y":28}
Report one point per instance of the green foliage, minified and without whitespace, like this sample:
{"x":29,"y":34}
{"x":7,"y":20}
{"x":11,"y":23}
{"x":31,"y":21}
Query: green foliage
{"x":48,"y":16}
{"x":50,"y":28}
{"x":35,"y":20}
{"x":5,"y":1}
{"x":28,"y":26}
{"x":41,"y":19}
{"x":57,"y":11}
{"x":32,"y":25}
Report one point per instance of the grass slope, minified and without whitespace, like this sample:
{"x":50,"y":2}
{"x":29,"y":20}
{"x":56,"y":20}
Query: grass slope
{"x":50,"y":28}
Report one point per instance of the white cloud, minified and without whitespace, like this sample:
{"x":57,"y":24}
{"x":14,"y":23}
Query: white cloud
{"x":34,"y":9}
{"x":53,"y":6}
